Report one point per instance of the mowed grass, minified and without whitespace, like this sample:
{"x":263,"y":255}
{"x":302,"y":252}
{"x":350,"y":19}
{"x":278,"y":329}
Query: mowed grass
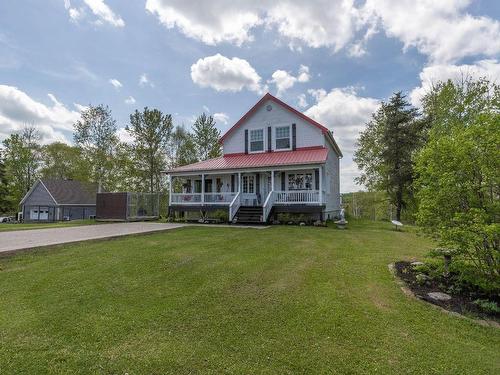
{"x":8,"y":227}
{"x":283,"y":300}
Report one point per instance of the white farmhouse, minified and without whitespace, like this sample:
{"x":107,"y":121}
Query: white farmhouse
{"x":275,"y":160}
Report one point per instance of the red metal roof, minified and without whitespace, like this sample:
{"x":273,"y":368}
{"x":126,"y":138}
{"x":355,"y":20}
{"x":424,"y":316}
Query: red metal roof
{"x":307,"y":155}
{"x":276,"y":100}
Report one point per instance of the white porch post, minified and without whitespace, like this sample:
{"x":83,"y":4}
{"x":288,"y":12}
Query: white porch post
{"x":239,"y":182}
{"x":272,"y":180}
{"x":320,"y":184}
{"x":203,"y":188}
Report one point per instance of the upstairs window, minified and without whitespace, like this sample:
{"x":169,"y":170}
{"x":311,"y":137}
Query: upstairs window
{"x":256,"y":140}
{"x":282,"y":137}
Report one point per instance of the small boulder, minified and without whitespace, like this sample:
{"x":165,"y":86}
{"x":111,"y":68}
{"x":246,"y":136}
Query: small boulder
{"x":415,"y":264}
{"x":439,"y":296}
{"x":302,"y":224}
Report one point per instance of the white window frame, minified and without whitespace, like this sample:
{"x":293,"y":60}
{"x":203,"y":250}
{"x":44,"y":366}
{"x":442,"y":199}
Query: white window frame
{"x":289,"y":138}
{"x":250,"y":141}
{"x":303,"y":174}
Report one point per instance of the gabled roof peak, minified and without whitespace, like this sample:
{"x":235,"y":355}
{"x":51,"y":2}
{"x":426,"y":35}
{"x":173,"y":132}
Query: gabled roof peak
{"x":266,"y":97}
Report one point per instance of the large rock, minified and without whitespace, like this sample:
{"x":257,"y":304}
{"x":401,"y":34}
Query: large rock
{"x":439,"y":296}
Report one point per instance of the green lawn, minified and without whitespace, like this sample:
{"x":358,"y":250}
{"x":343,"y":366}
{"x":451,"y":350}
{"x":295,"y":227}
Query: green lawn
{"x":227,"y":300}
{"x":6,"y":227}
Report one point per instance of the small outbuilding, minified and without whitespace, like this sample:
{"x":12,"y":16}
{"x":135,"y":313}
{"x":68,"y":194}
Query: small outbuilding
{"x":127,"y":206}
{"x":55,"y":200}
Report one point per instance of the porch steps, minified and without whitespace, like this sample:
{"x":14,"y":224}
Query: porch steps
{"x":249,"y":215}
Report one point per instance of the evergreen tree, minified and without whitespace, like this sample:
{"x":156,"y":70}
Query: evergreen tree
{"x":206,"y":137}
{"x":386,"y":149}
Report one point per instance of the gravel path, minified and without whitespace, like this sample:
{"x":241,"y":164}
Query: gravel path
{"x":26,"y":239}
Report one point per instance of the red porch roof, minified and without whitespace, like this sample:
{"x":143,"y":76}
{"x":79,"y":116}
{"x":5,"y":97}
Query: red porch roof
{"x":310,"y":155}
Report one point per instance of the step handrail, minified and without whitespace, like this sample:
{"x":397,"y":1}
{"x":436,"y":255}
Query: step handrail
{"x":234,"y":206}
{"x":268,"y":205}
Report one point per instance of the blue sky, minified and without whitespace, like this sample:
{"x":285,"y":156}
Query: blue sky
{"x":334,"y":60}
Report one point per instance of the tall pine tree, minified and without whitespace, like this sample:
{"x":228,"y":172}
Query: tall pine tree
{"x":386,"y":150}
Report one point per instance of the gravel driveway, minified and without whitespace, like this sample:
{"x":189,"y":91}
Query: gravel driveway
{"x":25,"y":239}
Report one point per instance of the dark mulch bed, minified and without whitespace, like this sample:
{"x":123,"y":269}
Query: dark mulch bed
{"x":462,"y":303}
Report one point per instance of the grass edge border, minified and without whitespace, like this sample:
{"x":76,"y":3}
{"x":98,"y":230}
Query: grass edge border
{"x":407,"y":291}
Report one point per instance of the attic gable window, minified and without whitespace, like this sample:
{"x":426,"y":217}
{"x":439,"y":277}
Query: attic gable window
{"x":256,"y":140}
{"x":282,"y":137}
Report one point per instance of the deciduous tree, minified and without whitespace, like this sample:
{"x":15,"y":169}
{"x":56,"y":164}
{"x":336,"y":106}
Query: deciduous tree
{"x":459,"y":172}
{"x":95,"y":135}
{"x":206,"y":137}
{"x":151,"y":131}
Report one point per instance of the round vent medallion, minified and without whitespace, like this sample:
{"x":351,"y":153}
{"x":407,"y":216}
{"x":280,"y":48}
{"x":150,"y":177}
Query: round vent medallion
{"x":269,"y":107}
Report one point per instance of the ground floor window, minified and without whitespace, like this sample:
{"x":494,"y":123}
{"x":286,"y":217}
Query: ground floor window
{"x":300,"y":181}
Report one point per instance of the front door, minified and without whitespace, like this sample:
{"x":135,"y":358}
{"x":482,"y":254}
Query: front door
{"x":248,"y":190}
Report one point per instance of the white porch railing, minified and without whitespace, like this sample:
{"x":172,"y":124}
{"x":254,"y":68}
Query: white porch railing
{"x":219,"y":198}
{"x":297,"y":197}
{"x":234,"y":206}
{"x":185,"y":198}
{"x":268,"y":205}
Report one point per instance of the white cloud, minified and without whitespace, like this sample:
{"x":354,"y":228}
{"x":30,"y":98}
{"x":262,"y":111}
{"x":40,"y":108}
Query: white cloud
{"x":99,"y":8}
{"x":130,"y":100}
{"x":284,"y":80}
{"x":104,"y":13}
{"x":322,"y":23}
{"x":221,"y":118}
{"x":18,"y":109}
{"x":211,"y":22}
{"x":116,"y":84}
{"x":302,"y":101}
{"x":432,"y":74}
{"x":224,"y":74}
{"x":144,"y":80}
{"x":346,"y":114}
{"x":304,"y":75}
{"x":124,"y":136}
{"x":442,"y":30}
{"x":76,"y":14}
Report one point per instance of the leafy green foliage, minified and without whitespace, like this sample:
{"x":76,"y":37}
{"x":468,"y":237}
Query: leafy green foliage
{"x":6,"y":204}
{"x":459,"y":180}
{"x":386,"y":149}
{"x":61,"y":161}
{"x":488,"y":306}
{"x":182,"y":149}
{"x":22,"y":160}
{"x":151,"y":131}
{"x":206,"y":137}
{"x":95,"y":135}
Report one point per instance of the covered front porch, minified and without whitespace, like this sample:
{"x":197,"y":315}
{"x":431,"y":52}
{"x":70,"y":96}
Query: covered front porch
{"x":214,"y":190}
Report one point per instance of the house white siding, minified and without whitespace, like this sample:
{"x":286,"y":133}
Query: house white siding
{"x":331,"y":182}
{"x":307,"y":134}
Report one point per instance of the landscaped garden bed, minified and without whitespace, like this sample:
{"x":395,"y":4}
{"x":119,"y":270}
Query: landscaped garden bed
{"x":448,"y":292}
